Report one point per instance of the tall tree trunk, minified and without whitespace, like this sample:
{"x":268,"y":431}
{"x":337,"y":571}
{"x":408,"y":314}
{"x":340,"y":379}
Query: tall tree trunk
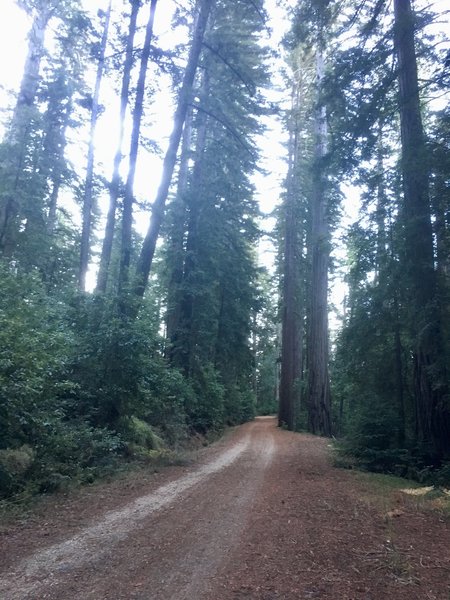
{"x":384,"y":278}
{"x":148,"y":248}
{"x":177,"y":235}
{"x":53,"y":201}
{"x":291,"y":320}
{"x":184,"y":341}
{"x":319,"y":397}
{"x":380,"y":215}
{"x":53,"y":163}
{"x":127,"y":212}
{"x":19,"y":130}
{"x":114,"y":187}
{"x":430,"y":385}
{"x":88,"y":184}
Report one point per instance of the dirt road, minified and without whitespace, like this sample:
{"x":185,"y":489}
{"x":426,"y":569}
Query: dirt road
{"x":262,"y":514}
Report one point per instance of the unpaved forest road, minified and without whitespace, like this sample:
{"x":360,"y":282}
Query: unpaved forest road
{"x":261,"y":514}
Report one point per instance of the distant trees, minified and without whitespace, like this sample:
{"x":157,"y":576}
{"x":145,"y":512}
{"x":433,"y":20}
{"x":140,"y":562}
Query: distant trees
{"x":32,"y":156}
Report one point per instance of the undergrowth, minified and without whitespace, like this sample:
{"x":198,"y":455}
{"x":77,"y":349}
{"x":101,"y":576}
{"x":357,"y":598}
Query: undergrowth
{"x":426,"y":489}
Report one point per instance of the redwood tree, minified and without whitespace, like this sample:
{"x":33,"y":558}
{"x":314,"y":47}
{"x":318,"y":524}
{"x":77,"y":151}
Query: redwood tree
{"x":430,"y":385}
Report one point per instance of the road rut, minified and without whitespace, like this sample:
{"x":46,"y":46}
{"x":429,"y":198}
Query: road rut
{"x":260,"y":515}
{"x":167,"y":544}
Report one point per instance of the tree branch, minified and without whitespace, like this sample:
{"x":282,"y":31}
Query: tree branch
{"x":250,"y":86}
{"x":228,"y":127}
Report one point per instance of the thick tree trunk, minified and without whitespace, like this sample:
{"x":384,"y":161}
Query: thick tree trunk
{"x":433,"y":415}
{"x":148,"y":248}
{"x":291,"y":344}
{"x":319,"y":397}
{"x":291,"y":321}
{"x":114,"y":187}
{"x":88,"y":184}
{"x":127,"y":214}
{"x":19,"y":130}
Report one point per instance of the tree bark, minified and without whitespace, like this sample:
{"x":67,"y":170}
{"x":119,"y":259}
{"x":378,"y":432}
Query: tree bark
{"x":291,"y":326}
{"x":88,"y":184}
{"x":319,"y":397}
{"x":148,"y":248}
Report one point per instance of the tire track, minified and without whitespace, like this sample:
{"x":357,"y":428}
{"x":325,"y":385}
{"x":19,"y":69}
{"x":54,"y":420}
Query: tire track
{"x":42,"y":570}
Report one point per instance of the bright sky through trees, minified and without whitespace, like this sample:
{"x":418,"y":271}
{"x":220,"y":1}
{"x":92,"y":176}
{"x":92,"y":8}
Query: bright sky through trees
{"x":14,"y":27}
{"x":159,"y":113}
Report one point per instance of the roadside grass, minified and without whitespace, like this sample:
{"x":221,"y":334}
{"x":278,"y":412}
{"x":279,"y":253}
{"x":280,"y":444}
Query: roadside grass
{"x":394,"y":498}
{"x":387,"y":492}
{"x":391,"y":494}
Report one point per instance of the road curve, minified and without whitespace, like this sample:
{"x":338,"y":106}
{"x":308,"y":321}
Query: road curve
{"x":165,"y":545}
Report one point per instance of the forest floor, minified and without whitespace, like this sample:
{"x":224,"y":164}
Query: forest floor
{"x":260,"y":514}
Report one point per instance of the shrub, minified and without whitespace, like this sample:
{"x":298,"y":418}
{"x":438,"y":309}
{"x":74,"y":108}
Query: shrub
{"x":141,"y":433}
{"x":14,"y":465}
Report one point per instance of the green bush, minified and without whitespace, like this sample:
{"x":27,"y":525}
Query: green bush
{"x":141,"y":433}
{"x":239,"y":405}
{"x":372,"y":434}
{"x":34,"y":351}
{"x":205,"y":410}
{"x":15,"y":463}
{"x":74,"y":451}
{"x":167,"y":395}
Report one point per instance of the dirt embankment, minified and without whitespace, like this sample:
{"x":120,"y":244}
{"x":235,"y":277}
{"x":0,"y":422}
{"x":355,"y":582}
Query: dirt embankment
{"x":262,"y":514}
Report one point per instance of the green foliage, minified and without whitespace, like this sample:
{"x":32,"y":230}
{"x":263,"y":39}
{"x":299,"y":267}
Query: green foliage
{"x":34,"y":352}
{"x":74,"y":451}
{"x":14,"y":466}
{"x":43,"y":440}
{"x":211,"y":266}
{"x":441,"y":476}
{"x":239,"y":405}
{"x":372,"y":435}
{"x":139,"y":432}
{"x":206,"y":409}
{"x":168,"y":396}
